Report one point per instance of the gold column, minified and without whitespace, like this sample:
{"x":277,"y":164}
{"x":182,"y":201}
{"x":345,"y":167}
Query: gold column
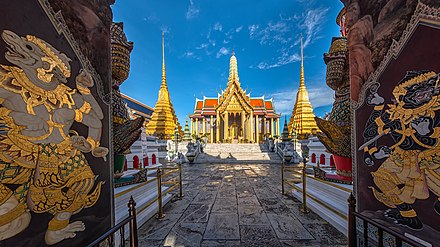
{"x":271,"y":127}
{"x":211,"y":125}
{"x":226,"y":120}
{"x":278,"y":126}
{"x":264,"y":125}
{"x":248,"y":128}
{"x":242,"y":125}
{"x":257,"y":135}
{"x":217,"y":127}
{"x":197,"y":126}
{"x":251,"y":124}
{"x":204,"y":126}
{"x":192,"y":126}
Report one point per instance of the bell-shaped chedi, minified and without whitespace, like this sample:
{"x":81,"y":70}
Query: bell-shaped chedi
{"x":125,"y":131}
{"x":302,"y":120}
{"x":164,"y":120}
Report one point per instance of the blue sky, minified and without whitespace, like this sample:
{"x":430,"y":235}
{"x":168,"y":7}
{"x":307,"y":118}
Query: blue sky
{"x":199,"y":38}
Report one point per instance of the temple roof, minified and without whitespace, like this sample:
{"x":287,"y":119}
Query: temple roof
{"x":137,"y":107}
{"x":234,"y":95}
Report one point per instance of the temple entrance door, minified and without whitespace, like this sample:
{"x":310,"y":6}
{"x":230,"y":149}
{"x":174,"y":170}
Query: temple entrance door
{"x":234,"y":131}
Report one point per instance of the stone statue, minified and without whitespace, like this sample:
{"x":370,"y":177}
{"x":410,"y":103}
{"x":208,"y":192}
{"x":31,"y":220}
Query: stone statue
{"x":336,"y":130}
{"x":125,"y":130}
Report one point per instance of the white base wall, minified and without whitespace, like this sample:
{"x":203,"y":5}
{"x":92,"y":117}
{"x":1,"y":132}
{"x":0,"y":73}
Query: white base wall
{"x":328,"y":200}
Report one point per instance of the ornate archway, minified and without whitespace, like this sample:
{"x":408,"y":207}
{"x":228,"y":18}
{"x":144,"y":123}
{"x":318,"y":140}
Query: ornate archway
{"x":322,"y":159}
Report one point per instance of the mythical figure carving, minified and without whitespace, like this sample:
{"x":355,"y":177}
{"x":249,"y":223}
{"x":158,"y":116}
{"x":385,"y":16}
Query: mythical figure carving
{"x":412,"y":164}
{"x":125,"y":131}
{"x":336,"y":136}
{"x":41,"y":157}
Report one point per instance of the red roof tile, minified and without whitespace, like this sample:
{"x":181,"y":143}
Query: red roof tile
{"x":257,"y":102}
{"x":211,"y":102}
{"x":269,"y":105}
{"x":199,"y":105}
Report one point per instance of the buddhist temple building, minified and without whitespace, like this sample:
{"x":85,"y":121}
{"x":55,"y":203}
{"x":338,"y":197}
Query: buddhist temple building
{"x":302,"y":121}
{"x":163,"y":122}
{"x":234,"y":116}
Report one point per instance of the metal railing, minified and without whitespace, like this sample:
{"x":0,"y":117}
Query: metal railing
{"x":109,"y":236}
{"x":354,"y":238}
{"x":176,"y":181}
{"x":301,"y":176}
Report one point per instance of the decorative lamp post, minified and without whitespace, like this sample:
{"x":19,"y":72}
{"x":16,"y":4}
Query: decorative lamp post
{"x":294,"y":139}
{"x":176,"y":139}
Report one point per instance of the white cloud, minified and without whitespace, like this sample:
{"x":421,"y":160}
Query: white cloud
{"x":191,"y":55}
{"x":280,"y":61}
{"x":312,"y":25}
{"x":202,"y":46}
{"x":284,"y":33}
{"x":193,"y":11}
{"x":218,"y":26}
{"x":223,"y":51}
{"x":165,"y":29}
{"x":238,"y":29}
{"x":284,"y":101}
{"x":253,"y":29}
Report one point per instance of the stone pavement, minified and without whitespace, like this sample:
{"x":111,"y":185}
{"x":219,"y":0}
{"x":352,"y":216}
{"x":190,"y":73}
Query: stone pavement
{"x":236,"y":205}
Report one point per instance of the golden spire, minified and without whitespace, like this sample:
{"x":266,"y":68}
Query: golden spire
{"x":301,"y":72}
{"x":233,"y":68}
{"x":164,"y":75}
{"x":302,"y":119}
{"x":163,"y":120}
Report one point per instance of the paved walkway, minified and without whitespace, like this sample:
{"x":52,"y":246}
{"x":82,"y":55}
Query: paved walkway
{"x":236,"y":205}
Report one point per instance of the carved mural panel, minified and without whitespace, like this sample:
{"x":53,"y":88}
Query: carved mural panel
{"x":55,"y":186}
{"x":397,"y":131}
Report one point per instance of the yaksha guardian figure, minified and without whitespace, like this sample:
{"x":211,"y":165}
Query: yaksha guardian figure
{"x":411,"y":164}
{"x":42,"y":164}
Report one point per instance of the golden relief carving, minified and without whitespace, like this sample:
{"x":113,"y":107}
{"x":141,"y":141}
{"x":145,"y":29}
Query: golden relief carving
{"x":39,"y":151}
{"x":411,"y":166}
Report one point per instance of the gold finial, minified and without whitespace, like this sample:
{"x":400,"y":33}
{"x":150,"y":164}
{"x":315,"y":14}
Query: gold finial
{"x":301,"y":73}
{"x":164,"y":76}
{"x":233,"y":68}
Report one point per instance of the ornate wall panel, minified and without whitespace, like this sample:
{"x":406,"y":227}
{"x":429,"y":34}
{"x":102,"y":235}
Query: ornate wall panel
{"x":397,"y":131}
{"x":55,"y":169}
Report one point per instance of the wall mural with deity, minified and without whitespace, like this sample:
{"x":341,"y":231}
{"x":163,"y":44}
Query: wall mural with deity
{"x":397,"y":133}
{"x":55,"y":171}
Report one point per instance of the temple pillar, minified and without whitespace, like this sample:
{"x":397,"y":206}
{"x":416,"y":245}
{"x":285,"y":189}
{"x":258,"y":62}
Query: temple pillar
{"x":197,"y":126}
{"x":277,"y":131}
{"x":193,"y":129}
{"x":243,"y":119}
{"x":226,"y":134}
{"x":264,"y":125}
{"x":204,"y":126}
{"x":251,"y":125}
{"x":217,"y":127}
{"x":271,"y":127}
{"x":257,"y":127}
{"x":211,"y":125}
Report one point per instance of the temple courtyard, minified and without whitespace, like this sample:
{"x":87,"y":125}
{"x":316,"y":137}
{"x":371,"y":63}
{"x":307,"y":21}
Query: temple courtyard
{"x":236,"y":205}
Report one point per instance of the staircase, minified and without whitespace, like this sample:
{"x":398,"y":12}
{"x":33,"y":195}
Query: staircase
{"x":235,"y":153}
